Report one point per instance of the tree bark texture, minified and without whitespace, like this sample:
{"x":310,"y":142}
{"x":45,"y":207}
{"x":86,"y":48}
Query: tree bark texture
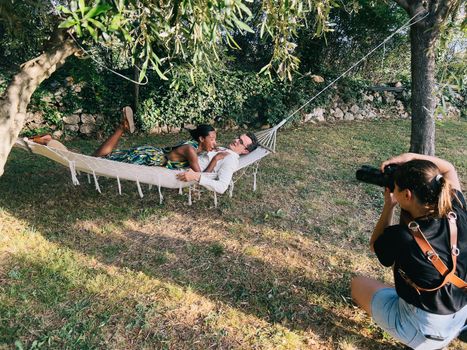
{"x":423,"y":39}
{"x":15,"y":100}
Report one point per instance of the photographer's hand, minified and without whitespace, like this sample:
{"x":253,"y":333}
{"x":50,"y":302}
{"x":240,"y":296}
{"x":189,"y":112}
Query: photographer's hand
{"x":400,"y":159}
{"x":386,"y":217}
{"x":389,"y":199}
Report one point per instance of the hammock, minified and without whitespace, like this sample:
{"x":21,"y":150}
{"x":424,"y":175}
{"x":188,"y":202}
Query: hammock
{"x":161,"y":177}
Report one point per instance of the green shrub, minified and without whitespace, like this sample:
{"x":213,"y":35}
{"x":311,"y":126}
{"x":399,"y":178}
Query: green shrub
{"x":244,"y":98}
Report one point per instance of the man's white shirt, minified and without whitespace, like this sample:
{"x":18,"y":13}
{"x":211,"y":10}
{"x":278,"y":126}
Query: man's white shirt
{"x":224,"y":169}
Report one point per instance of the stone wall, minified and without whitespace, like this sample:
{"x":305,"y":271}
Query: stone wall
{"x":370,"y":105}
{"x":373,"y":105}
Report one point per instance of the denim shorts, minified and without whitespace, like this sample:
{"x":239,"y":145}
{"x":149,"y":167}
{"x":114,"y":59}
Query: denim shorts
{"x":412,"y":326}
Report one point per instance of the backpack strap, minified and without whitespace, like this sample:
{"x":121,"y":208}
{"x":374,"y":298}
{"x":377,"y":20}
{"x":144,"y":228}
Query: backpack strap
{"x":433,"y":257}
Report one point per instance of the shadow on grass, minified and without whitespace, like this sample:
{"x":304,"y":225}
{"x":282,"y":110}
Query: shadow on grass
{"x":276,"y":294}
{"x":39,"y":193}
{"x":42,"y":307}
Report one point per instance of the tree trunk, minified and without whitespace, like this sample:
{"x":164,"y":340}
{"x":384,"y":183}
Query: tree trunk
{"x":15,"y":100}
{"x":424,"y":35}
{"x":422,"y":41}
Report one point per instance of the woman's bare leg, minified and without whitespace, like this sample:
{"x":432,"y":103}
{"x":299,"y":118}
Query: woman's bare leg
{"x":42,"y":140}
{"x":362,"y":290}
{"x":109,"y":145}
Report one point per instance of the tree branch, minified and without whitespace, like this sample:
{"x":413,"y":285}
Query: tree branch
{"x":444,"y":8}
{"x":404,"y":4}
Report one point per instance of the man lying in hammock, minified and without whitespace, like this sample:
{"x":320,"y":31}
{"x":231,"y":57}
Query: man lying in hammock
{"x":181,"y":156}
{"x":198,"y":154}
{"x":225,"y":163}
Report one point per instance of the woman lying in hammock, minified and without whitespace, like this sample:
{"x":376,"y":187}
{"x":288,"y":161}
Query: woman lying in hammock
{"x":180,"y":156}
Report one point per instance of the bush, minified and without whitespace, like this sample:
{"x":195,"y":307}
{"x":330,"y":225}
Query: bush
{"x":226,"y":97}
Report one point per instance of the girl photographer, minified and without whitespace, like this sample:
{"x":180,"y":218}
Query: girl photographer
{"x":428,"y":306}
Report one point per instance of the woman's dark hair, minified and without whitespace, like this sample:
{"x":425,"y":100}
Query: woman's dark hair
{"x":201,"y":130}
{"x":424,"y":179}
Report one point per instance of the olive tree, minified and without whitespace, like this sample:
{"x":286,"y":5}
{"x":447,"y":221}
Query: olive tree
{"x":157,"y":34}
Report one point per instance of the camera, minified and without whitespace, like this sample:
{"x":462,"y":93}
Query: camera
{"x":372,"y":175}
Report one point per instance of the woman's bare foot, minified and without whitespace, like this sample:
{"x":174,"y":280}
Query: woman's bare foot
{"x":42,"y":139}
{"x":128,"y":123}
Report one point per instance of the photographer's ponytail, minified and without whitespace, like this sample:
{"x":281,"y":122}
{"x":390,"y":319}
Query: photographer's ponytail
{"x":431,"y":189}
{"x":444,"y":205}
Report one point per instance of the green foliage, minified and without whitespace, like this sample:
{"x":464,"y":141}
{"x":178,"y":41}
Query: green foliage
{"x":51,"y":114}
{"x":355,"y":31}
{"x":158,"y":35}
{"x":179,"y":41}
{"x":37,"y":131}
{"x":217,"y":249}
{"x":451,"y":68}
{"x":101,"y":93}
{"x":24,"y":27}
{"x":350,"y":90}
{"x":225,"y":97}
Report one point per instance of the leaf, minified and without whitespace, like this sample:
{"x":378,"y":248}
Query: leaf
{"x":19,"y":345}
{"x":231,"y":41}
{"x":127,"y":35}
{"x":69,"y":22}
{"x":241,"y":25}
{"x":142,"y":73}
{"x":96,"y":11}
{"x":115,"y":23}
{"x":263,"y":25}
{"x":82,"y":7}
{"x":265,"y":68}
{"x":91,"y":31}
{"x":78,"y":29}
{"x":192,"y":77}
{"x":156,"y":58}
{"x":159,"y":73}
{"x":75,"y":16}
{"x":97,"y":24}
{"x":245,"y":9}
{"x":63,"y":9}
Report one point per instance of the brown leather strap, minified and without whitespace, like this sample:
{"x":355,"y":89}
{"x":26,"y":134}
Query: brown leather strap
{"x":433,"y":257}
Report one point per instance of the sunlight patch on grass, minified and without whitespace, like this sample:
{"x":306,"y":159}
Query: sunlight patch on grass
{"x":107,"y":292}
{"x":264,"y":270}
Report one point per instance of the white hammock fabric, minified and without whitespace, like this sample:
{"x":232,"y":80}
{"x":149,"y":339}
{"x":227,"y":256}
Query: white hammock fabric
{"x":141,"y":174}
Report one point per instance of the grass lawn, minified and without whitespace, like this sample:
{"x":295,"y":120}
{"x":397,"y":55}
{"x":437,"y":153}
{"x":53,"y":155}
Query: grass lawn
{"x":265,"y":270}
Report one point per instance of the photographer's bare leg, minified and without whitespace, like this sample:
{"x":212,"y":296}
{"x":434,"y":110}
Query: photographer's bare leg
{"x":362,"y":290}
{"x":109,"y":145}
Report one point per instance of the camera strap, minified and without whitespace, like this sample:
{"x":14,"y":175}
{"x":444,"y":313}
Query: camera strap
{"x":433,"y":257}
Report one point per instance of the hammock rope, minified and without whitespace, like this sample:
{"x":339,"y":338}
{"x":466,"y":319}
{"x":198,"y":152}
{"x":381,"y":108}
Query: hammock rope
{"x":119,"y":186}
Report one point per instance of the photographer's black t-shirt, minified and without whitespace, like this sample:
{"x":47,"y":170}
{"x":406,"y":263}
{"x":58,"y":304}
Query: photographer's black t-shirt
{"x":396,"y":246}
